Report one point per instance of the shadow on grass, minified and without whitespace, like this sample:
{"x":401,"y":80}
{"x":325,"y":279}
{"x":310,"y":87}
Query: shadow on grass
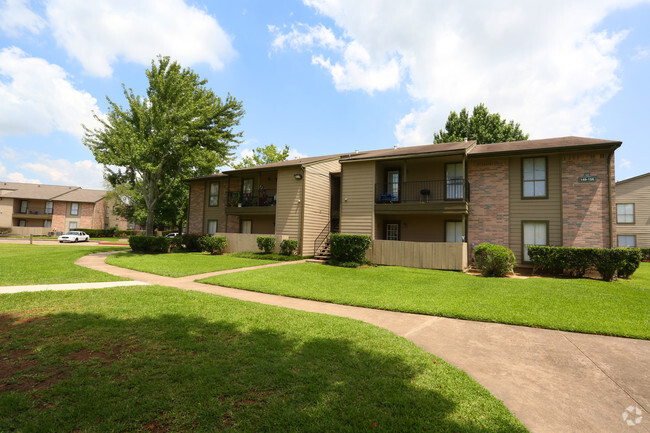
{"x":67,"y":372}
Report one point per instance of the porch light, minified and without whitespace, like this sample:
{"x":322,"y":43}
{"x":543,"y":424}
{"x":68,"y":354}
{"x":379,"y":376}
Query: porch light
{"x":298,"y":176}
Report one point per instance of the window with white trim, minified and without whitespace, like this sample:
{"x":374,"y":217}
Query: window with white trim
{"x":626,"y":241}
{"x":49,"y":208}
{"x":212,"y":226}
{"x":74,"y":209}
{"x":454,"y":231}
{"x":47,"y":223}
{"x":214,"y":194}
{"x":625,"y":213}
{"x":535,"y":233}
{"x":392,"y":232}
{"x":534,"y":177}
{"x":73,"y":225}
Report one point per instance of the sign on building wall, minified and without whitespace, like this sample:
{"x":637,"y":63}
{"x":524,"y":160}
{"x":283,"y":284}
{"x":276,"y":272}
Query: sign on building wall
{"x":587,"y":178}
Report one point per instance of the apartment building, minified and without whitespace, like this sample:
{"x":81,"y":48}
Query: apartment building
{"x":424,"y":206}
{"x":39,"y":209}
{"x":633,"y":212}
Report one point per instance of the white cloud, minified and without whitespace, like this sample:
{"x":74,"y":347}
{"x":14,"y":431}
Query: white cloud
{"x":85,"y":173}
{"x":541,"y":64}
{"x":641,"y":53}
{"x":39,"y":98}
{"x":16,"y":17}
{"x":304,"y":36}
{"x":15,"y":176}
{"x":99,"y":33}
{"x":625,"y":163}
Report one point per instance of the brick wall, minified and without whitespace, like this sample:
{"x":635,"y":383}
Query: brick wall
{"x":59,"y":210}
{"x":232,"y":225}
{"x":488,"y":219}
{"x":197,"y":203}
{"x":86,"y":213}
{"x":585,"y":205}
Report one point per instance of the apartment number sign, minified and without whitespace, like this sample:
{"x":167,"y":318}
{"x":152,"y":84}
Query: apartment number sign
{"x":587,"y":178}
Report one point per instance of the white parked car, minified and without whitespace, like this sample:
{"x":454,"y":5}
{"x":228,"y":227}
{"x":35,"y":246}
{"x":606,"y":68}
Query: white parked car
{"x":74,"y":237}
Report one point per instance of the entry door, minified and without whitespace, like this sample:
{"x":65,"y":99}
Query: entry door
{"x":454,"y":231}
{"x":454,"y":178}
{"x":23,"y":206}
{"x":535,"y":233}
{"x":392,"y":187}
{"x":392,"y":231}
{"x":247,"y":226}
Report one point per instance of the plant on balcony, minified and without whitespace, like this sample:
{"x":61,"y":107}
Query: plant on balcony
{"x":494,"y":260}
{"x":266,"y":244}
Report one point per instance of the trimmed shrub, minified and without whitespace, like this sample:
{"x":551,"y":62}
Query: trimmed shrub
{"x":149,"y":244}
{"x":631,"y":261}
{"x":214,"y":244}
{"x":266,"y":244}
{"x":645,"y":252}
{"x":192,"y":242}
{"x":5,"y":230}
{"x":349,"y":248}
{"x":100,"y":233}
{"x":288,"y":247}
{"x":494,"y":260}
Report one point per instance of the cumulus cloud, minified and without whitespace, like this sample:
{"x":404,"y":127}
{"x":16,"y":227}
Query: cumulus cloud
{"x":641,"y":53}
{"x":16,"y":17}
{"x":38,"y":97}
{"x":99,"y":33}
{"x":625,"y":163}
{"x":543,"y":65}
{"x":85,"y":173}
{"x":15,"y":176}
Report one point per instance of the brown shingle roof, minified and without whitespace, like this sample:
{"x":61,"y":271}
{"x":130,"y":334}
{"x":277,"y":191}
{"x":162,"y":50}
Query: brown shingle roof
{"x":82,"y":195}
{"x":458,"y":146}
{"x":33,"y":191}
{"x":547,"y":144}
{"x":633,"y":178}
{"x":289,"y":163}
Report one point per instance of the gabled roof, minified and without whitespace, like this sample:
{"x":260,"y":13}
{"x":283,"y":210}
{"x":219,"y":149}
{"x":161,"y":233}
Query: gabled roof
{"x":289,"y":163}
{"x":401,"y":152}
{"x":641,"y":176}
{"x":547,"y":144}
{"x":32,"y":191}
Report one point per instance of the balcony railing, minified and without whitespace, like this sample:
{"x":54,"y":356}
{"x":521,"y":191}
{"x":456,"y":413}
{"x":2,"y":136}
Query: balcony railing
{"x":423,"y":191}
{"x":35,"y":211}
{"x":264,"y":197}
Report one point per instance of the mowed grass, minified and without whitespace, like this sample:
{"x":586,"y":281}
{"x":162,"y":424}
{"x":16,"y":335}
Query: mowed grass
{"x":182,"y":264}
{"x":621,"y":308}
{"x":161,"y":359}
{"x":48,"y":264}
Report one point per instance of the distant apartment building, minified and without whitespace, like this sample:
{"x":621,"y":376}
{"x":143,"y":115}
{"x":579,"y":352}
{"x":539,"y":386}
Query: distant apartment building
{"x":39,"y":209}
{"x":423,"y":206}
{"x":633,"y":212}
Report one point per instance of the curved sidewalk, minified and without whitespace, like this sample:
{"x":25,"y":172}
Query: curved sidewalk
{"x":553,"y":381}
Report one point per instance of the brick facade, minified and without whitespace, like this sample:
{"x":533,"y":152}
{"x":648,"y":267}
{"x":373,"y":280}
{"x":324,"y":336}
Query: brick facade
{"x":585,"y":214}
{"x":232,"y":225}
{"x":197,"y":204}
{"x":86,"y":213}
{"x":59,"y":211}
{"x":99,"y":222}
{"x":489,"y":218}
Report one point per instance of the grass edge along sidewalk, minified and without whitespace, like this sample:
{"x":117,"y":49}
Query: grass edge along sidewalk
{"x":159,"y":358}
{"x":577,"y":305}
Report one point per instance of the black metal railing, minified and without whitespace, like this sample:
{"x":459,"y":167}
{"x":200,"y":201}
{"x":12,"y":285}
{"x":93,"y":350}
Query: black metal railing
{"x":262,"y":197}
{"x":324,"y":235}
{"x":423,"y":191}
{"x":35,"y":211}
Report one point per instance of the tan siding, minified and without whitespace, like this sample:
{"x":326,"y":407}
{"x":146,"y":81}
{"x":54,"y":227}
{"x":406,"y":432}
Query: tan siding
{"x":218,"y":212}
{"x":317,"y":202}
{"x":6,"y":212}
{"x":548,"y":209}
{"x":289,"y":204}
{"x":357,"y":198}
{"x":638,"y":192}
{"x":424,"y":255}
{"x":239,"y":242}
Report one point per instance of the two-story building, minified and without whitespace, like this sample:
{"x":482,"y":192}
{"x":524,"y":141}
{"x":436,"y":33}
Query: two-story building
{"x":424,"y":206}
{"x":633,"y":212}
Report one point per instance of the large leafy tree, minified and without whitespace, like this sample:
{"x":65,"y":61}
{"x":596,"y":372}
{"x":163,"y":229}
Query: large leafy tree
{"x":179,"y":129}
{"x":480,"y":126}
{"x":263,"y":155}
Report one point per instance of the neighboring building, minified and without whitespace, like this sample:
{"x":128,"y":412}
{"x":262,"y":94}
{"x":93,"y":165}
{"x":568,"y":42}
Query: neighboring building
{"x":39,"y":209}
{"x":423,"y":204}
{"x":633,"y":212}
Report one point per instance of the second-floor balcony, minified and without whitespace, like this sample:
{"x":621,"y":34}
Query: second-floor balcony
{"x":260,"y":198}
{"x":422,"y":196}
{"x":37,"y":212}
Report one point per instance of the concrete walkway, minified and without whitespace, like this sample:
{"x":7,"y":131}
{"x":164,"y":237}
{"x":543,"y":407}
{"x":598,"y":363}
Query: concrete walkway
{"x":72,"y":286}
{"x":553,"y":381}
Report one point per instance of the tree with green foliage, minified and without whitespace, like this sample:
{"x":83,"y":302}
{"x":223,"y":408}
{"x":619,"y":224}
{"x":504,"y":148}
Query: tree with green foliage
{"x":179,"y":129}
{"x":263,"y":155}
{"x":480,"y":126}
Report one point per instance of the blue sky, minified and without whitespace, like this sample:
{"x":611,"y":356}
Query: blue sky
{"x":326,"y":76}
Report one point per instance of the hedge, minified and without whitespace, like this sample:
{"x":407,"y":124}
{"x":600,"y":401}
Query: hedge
{"x":494,"y":260}
{"x":645,"y":252}
{"x":191,"y":242}
{"x":149,"y":244}
{"x":266,"y":244}
{"x":5,"y":230}
{"x":609,"y":262}
{"x":213,"y":244}
{"x":100,"y":233}
{"x":349,"y":248}
{"x":288,"y":247}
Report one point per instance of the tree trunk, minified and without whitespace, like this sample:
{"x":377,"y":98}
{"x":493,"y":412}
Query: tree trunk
{"x":149,"y":228}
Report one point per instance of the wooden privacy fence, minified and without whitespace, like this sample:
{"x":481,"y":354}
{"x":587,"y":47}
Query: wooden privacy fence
{"x":26,"y":231}
{"x":424,"y":255}
{"x":239,"y":242}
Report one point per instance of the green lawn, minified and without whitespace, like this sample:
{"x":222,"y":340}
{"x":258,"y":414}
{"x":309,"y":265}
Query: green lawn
{"x":182,"y":264}
{"x":621,"y":308}
{"x":48,"y":264}
{"x":161,"y":359}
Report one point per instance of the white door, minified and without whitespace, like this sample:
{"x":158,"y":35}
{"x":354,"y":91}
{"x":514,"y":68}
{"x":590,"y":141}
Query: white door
{"x":246,"y":226}
{"x":534,"y":234}
{"x":453,"y":231}
{"x":454,"y":177}
{"x":212,"y":227}
{"x":393,"y":185}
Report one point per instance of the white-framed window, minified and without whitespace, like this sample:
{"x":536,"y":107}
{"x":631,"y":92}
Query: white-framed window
{"x":535,"y":233}
{"x":73,"y":225}
{"x":625,"y":213}
{"x":453,"y":231}
{"x":74,"y":208}
{"x":454,"y":181}
{"x":23,"y":206}
{"x":212,"y":226}
{"x":49,"y":208}
{"x":392,"y":232}
{"x":246,"y":226}
{"x":214,"y":194}
{"x":47,"y":223}
{"x":627,"y":241}
{"x":533,"y":177}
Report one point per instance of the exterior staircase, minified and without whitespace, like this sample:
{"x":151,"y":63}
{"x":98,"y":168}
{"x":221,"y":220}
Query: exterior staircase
{"x":323,"y":252}
{"x":322,"y":243}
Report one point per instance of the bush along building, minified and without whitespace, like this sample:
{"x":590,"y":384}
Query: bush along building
{"x":423,"y":206}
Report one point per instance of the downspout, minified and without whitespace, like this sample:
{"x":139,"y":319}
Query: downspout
{"x":609,"y":198}
{"x":301,"y":228}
